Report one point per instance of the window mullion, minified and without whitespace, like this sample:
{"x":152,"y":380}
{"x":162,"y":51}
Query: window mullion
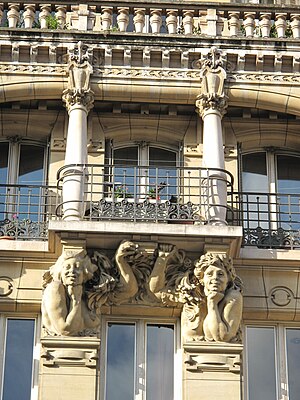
{"x":282,"y":364}
{"x":140,"y":354}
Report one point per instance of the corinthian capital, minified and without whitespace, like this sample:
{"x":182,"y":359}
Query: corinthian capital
{"x":213,"y":75}
{"x":80,"y":70}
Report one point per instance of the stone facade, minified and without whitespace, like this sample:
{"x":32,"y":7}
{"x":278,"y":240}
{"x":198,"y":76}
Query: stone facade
{"x":143,"y":151}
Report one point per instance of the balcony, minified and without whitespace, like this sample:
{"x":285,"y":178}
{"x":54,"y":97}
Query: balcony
{"x":161,"y":196}
{"x":270,"y":221}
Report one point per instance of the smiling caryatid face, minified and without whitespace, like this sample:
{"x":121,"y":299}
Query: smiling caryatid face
{"x":72,"y":272}
{"x":215,"y":279}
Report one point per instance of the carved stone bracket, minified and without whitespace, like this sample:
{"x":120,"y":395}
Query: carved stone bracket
{"x":70,"y":351}
{"x":206,"y":357}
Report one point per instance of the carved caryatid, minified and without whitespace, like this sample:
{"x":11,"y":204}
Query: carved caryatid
{"x":209,"y":291}
{"x":76,"y":287}
{"x":212,"y":76}
{"x":80,"y":70}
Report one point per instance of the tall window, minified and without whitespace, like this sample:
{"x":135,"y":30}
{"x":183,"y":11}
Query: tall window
{"x":274,"y":180}
{"x":272,"y":362}
{"x":144,"y":171}
{"x":22,"y":172}
{"x":17,"y":369}
{"x":140,"y":361}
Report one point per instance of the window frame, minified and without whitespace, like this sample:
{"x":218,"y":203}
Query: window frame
{"x":140,"y":352}
{"x":281,"y":362}
{"x":35,"y":351}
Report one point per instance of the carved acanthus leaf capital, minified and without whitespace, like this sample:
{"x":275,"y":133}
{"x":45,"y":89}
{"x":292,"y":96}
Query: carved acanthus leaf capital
{"x":72,"y":97}
{"x":206,"y":102}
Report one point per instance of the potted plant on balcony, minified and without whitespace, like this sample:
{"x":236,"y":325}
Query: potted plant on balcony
{"x":154,"y":191}
{"x":121,"y":192}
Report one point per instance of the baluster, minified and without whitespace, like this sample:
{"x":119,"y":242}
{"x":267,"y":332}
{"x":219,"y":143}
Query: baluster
{"x":295,"y":25}
{"x":155,"y":20}
{"x":44,"y":15}
{"x":265,"y":24}
{"x":123,"y":19}
{"x":172,"y":21}
{"x":139,"y":19}
{"x":280,"y":24}
{"x":13,"y":15}
{"x":61,"y":15}
{"x":106,"y":18}
{"x":1,"y":12}
{"x":249,"y":24}
{"x":188,"y":21}
{"x":29,"y":15}
{"x":234,"y":23}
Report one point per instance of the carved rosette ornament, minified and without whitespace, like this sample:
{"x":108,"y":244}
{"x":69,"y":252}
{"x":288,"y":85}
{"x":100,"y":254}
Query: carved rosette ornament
{"x":78,"y":91}
{"x":212,"y":76}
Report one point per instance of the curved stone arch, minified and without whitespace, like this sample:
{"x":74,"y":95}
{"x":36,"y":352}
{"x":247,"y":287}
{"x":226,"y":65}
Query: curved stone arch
{"x":140,"y":131}
{"x":276,"y":98}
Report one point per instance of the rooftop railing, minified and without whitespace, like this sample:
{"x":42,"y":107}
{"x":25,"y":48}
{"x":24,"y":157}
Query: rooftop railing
{"x":164,"y":17}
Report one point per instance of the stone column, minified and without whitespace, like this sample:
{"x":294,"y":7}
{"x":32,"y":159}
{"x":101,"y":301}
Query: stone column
{"x":78,"y":98}
{"x":211,"y":105}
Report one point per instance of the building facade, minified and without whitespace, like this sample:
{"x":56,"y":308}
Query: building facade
{"x":149,"y":200}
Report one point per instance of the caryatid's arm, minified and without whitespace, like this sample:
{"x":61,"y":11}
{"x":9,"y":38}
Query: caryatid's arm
{"x":128,"y":284}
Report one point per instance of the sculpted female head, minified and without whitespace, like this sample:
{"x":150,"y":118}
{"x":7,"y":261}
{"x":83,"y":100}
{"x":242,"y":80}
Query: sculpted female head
{"x":215,"y":272}
{"x":73,"y":268}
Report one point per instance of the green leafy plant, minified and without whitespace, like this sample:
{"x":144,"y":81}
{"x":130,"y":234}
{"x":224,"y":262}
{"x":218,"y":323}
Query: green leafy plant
{"x":122,"y":192}
{"x":154,"y":191}
{"x":52,"y":22}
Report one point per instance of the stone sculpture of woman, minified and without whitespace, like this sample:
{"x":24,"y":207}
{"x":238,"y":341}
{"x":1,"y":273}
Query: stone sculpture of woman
{"x":210,"y":293}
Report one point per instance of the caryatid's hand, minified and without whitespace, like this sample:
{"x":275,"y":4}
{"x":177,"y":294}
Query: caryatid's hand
{"x":125,"y":250}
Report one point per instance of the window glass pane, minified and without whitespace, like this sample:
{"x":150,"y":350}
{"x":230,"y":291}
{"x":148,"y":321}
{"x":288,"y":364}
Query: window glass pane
{"x":3,"y":162}
{"x":31,"y":166}
{"x":125,"y":159}
{"x":160,"y":362}
{"x":120,"y":362}
{"x":288,"y":183}
{"x":18,"y":359}
{"x":293,"y":361}
{"x":3,"y":177}
{"x":256,"y":211}
{"x":254,"y":173}
{"x":31,"y":172}
{"x":261,"y":365}
{"x":162,"y":178}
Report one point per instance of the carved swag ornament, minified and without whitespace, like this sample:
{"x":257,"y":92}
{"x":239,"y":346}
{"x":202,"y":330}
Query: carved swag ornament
{"x":209,"y":291}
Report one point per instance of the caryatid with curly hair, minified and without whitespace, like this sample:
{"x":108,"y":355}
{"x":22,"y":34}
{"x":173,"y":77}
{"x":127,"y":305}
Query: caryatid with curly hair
{"x":63,"y":310}
{"x":224,"y":301}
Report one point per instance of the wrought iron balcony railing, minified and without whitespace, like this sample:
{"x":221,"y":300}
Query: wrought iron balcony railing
{"x":270,"y":220}
{"x":135,"y":193}
{"x":25,"y":211}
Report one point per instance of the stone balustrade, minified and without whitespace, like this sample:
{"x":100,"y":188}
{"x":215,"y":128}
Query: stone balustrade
{"x":170,"y":18}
